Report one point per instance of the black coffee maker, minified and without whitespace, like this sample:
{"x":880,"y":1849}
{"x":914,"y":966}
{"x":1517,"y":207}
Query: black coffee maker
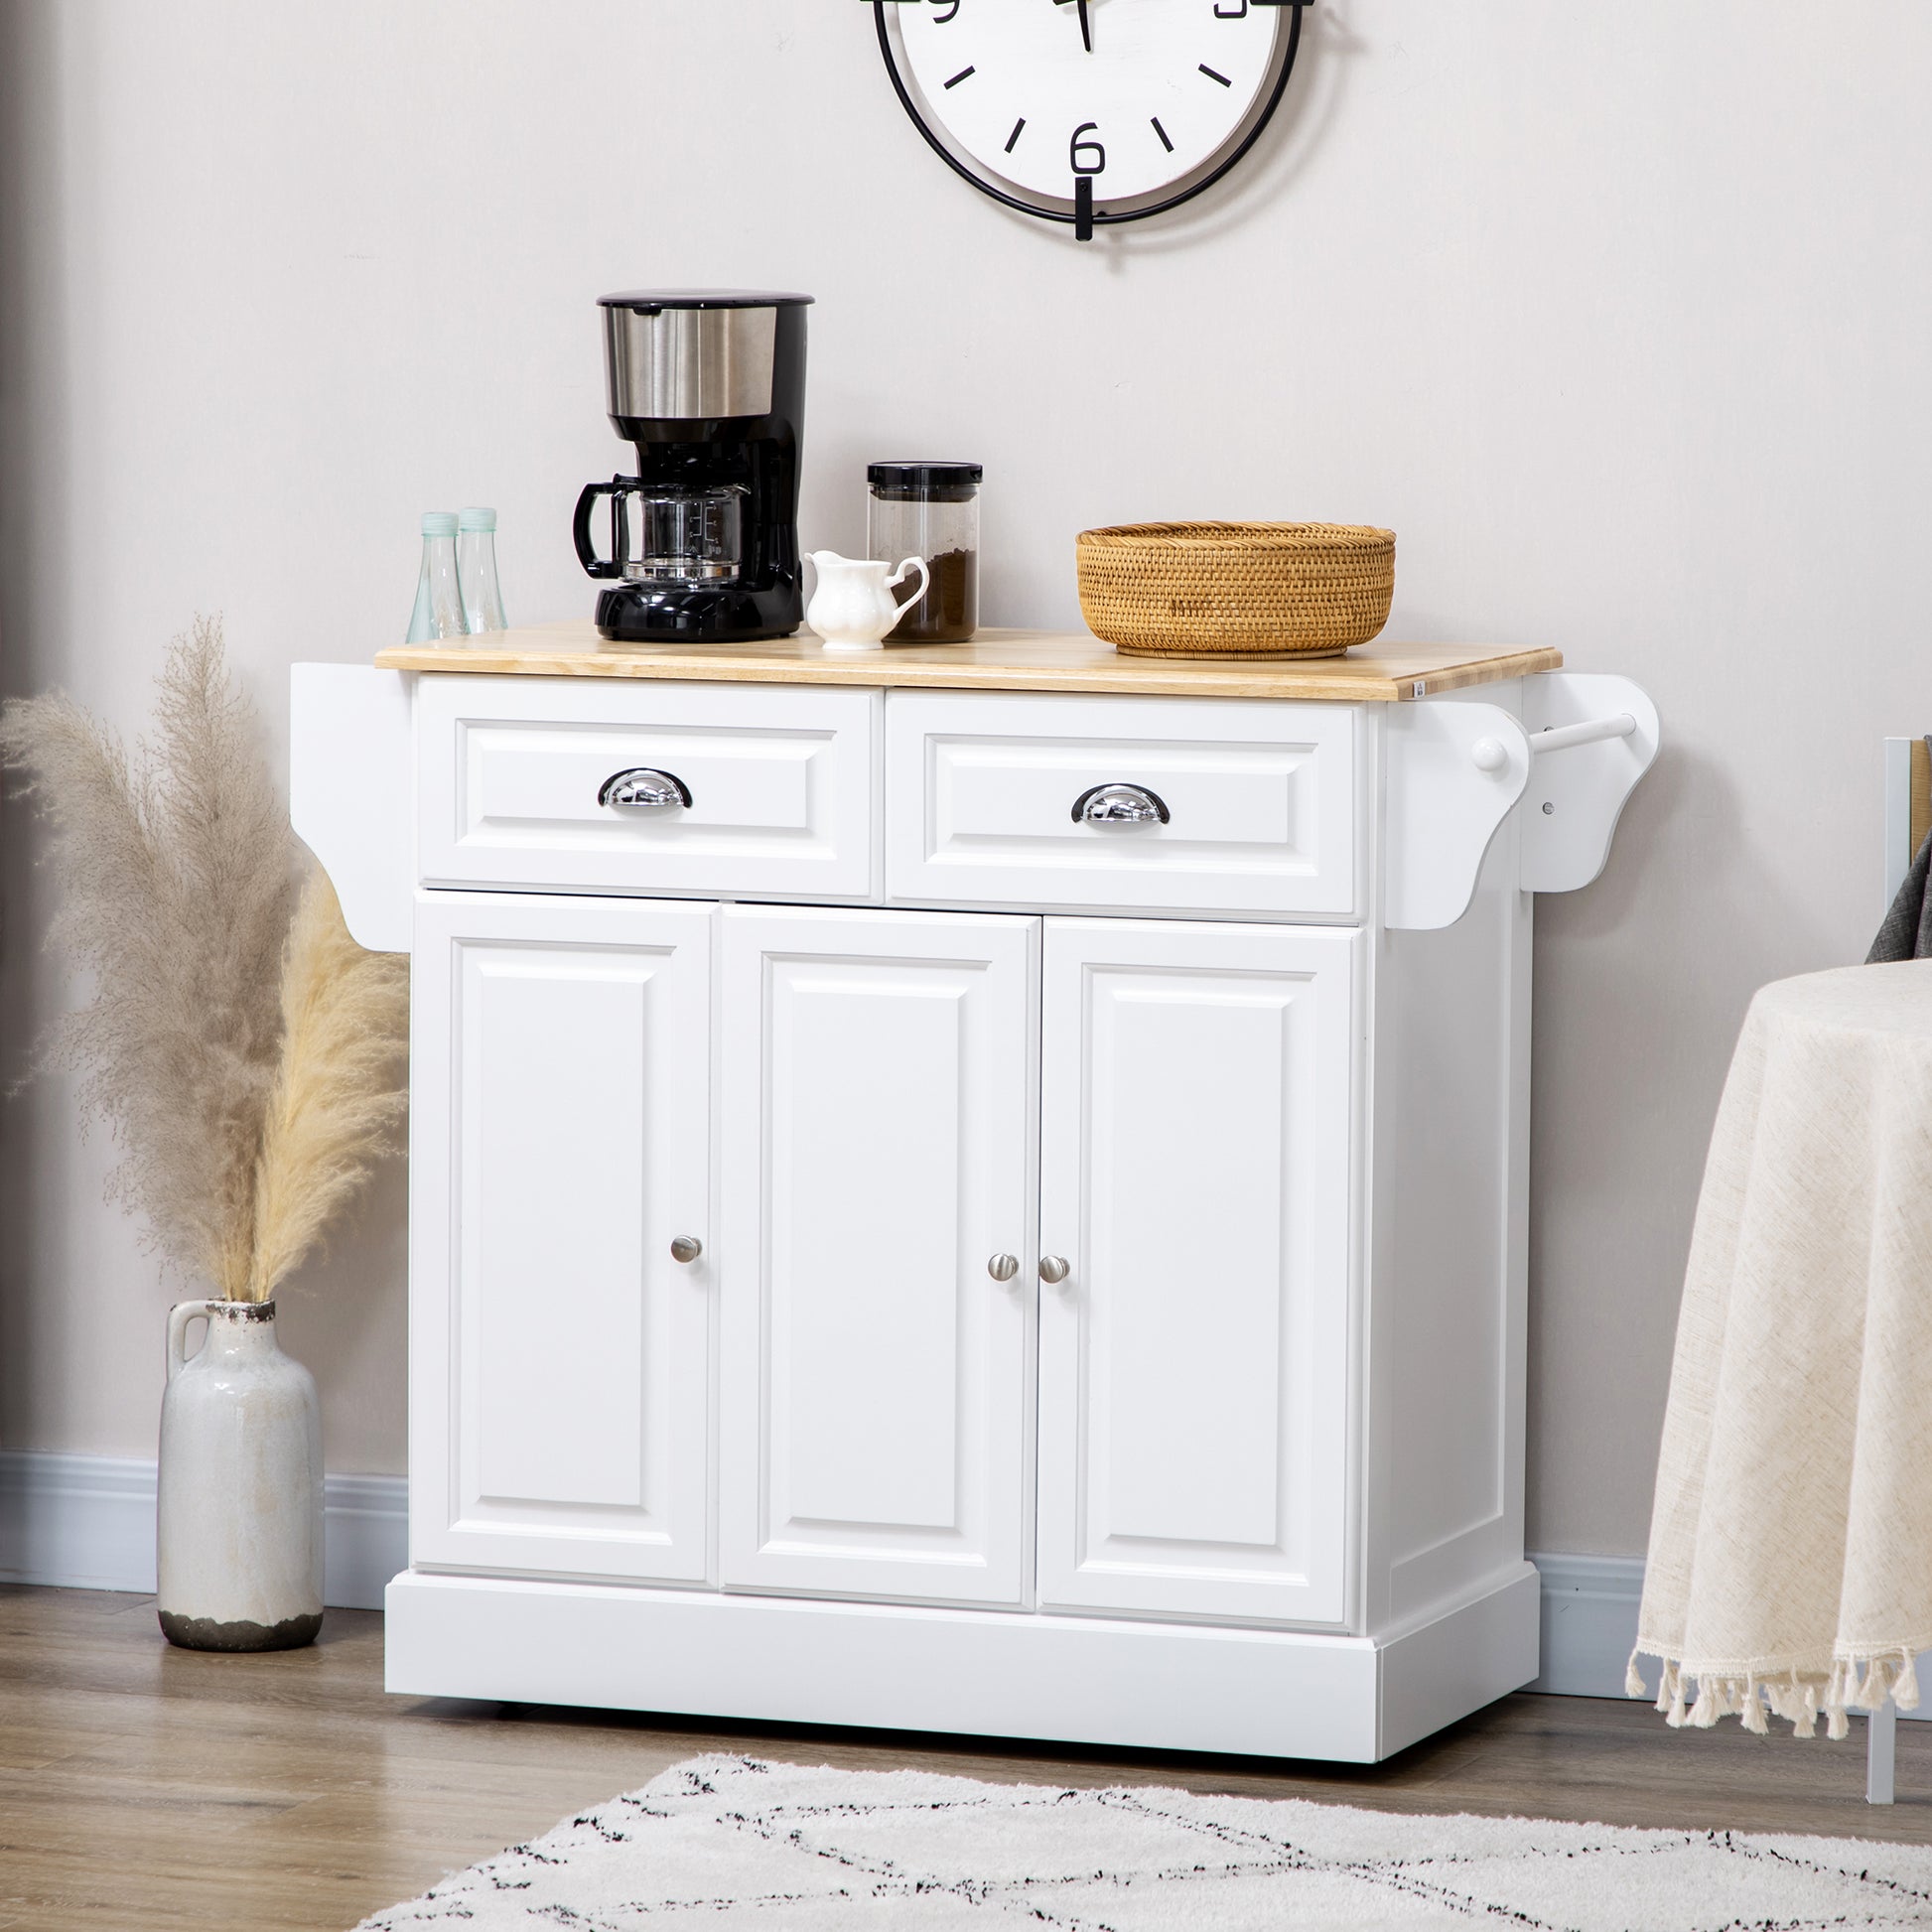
{"x":710,"y":385}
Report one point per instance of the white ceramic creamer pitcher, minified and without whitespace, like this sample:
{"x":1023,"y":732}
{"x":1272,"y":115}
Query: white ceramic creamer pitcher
{"x":853,"y":606}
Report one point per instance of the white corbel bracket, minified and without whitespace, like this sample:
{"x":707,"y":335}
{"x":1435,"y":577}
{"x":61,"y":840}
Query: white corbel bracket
{"x":1455,"y":769}
{"x":1593,"y":736}
{"x":350,"y":786}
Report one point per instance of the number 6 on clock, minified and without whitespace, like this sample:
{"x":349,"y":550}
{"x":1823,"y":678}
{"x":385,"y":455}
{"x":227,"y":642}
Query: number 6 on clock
{"x":1012,"y":95}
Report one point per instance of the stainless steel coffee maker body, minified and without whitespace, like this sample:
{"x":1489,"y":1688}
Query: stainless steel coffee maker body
{"x":709,"y":385}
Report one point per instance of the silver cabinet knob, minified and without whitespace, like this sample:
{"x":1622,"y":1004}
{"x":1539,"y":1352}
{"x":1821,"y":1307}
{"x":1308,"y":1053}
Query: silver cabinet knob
{"x":644,"y":789}
{"x":686,"y":1247}
{"x":1120,"y":804}
{"x":1003,"y":1268}
{"x":1053,"y":1269}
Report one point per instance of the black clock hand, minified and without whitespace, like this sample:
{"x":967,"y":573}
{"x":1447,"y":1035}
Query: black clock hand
{"x":1086,"y":25}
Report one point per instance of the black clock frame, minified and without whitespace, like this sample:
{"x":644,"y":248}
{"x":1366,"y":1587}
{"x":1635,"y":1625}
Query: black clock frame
{"x":1083,"y":215}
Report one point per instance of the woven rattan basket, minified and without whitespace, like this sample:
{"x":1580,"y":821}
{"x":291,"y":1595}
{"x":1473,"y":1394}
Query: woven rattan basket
{"x":1236,"y":590}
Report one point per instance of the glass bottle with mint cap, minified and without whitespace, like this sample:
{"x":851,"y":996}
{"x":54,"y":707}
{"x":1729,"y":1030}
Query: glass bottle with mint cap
{"x":439,"y":603}
{"x":930,"y":510}
{"x":476,"y":571}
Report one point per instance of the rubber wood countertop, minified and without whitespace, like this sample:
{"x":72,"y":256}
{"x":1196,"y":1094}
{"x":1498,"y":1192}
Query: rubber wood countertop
{"x":996,"y":660}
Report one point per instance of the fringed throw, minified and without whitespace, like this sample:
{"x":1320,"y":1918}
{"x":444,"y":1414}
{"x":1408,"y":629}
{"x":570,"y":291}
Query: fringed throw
{"x":1796,"y":1696}
{"x":1791,"y":1565}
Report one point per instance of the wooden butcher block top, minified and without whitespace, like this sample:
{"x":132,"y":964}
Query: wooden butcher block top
{"x":996,"y":660}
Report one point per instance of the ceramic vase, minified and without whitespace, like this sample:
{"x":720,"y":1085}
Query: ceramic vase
{"x":238,"y":1531}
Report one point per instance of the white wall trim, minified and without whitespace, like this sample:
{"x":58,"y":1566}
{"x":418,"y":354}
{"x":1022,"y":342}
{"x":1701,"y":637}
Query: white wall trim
{"x":1589,"y":1627}
{"x":87,"y":1522}
{"x":1589,"y":1622}
{"x":83,"y":1521}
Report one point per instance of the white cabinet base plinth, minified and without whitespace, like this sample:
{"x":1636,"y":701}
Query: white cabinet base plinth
{"x":1000,"y":1674}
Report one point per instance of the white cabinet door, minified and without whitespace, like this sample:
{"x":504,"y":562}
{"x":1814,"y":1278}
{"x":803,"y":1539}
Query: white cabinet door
{"x":560,"y":1358}
{"x":878,"y":1104}
{"x":1197,"y":1176}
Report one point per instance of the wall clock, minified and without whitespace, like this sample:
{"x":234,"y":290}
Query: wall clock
{"x":1090,"y":111}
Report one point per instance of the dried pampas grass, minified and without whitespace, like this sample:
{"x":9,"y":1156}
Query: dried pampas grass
{"x":339,"y":1087}
{"x":178,"y":877}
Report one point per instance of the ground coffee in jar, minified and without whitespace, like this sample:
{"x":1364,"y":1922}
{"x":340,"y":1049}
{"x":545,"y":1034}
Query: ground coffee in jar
{"x":930,"y":510}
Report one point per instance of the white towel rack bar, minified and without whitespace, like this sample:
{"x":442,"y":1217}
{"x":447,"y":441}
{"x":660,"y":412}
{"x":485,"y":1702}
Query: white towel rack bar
{"x":1621,"y":725}
{"x":1492,"y":755}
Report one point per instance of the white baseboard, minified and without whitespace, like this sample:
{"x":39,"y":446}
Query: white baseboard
{"x":87,"y":1522}
{"x":1590,"y":1623}
{"x":1589,"y":1627}
{"x":366,"y":1538}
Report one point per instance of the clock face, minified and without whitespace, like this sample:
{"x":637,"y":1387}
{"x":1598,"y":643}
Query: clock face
{"x":1141,"y":97}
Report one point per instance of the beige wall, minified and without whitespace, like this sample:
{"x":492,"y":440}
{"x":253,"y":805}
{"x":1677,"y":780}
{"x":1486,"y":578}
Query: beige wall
{"x":1620,"y":316}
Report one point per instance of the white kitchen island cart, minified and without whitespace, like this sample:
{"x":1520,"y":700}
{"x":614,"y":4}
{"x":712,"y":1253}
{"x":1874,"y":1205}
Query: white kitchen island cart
{"x":972,"y":1189}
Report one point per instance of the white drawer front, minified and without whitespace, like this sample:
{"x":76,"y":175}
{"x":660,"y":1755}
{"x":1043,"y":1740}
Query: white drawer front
{"x":510,"y":769}
{"x":1261,"y":801}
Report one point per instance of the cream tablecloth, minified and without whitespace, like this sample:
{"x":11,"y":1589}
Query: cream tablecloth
{"x":1791,"y":1540}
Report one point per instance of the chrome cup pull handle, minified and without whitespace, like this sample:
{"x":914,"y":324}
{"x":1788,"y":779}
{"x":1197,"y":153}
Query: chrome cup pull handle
{"x":1120,"y":804}
{"x":644,"y":789}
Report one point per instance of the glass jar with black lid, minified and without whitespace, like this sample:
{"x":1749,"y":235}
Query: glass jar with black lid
{"x":931,"y":511}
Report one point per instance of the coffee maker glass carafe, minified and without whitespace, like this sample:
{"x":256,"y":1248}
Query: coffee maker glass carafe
{"x":689,"y":539}
{"x":709,"y":385}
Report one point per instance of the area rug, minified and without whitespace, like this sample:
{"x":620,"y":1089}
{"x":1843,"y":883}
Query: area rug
{"x":734,"y":1843}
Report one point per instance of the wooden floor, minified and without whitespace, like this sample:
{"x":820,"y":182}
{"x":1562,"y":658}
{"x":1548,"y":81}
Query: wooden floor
{"x":147,"y":1788}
